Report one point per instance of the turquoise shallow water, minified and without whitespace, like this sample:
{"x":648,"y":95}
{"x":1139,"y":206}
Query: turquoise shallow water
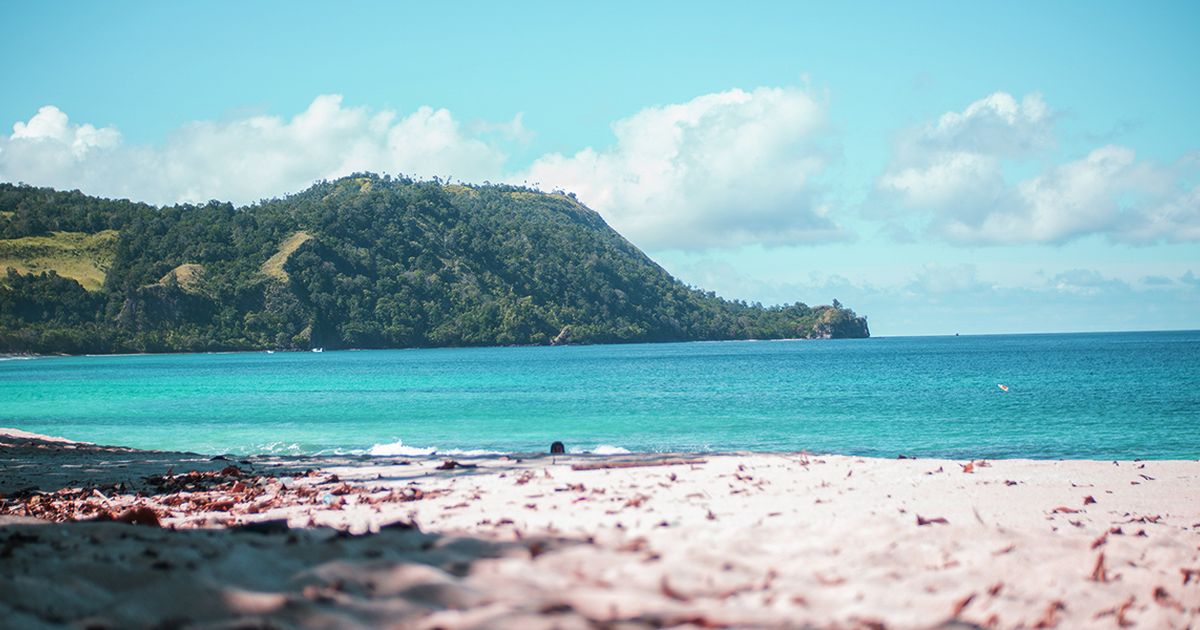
{"x":1103,"y":396}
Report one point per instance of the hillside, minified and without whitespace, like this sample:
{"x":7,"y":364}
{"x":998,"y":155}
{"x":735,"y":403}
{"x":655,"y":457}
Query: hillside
{"x":80,"y":256}
{"x":363,"y":261}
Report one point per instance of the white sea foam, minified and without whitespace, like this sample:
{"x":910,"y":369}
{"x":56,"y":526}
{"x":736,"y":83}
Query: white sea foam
{"x":608,"y":449}
{"x":398,"y":448}
{"x":470,"y":452}
{"x":280,"y":448}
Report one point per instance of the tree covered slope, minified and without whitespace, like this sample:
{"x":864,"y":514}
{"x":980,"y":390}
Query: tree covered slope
{"x":363,"y":262}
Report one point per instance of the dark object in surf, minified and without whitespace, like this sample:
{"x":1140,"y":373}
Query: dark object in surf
{"x":557,"y":448}
{"x":450,"y":464}
{"x":275,"y":526}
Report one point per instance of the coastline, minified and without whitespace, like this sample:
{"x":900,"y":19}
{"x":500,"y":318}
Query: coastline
{"x":742,"y":539}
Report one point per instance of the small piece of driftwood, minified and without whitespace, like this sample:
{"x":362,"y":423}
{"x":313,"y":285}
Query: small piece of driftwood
{"x":657,"y":462}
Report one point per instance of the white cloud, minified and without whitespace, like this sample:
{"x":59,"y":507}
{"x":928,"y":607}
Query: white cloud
{"x":245,"y":159}
{"x":944,"y":181}
{"x":953,"y":170}
{"x":719,"y":170}
{"x":995,"y":125}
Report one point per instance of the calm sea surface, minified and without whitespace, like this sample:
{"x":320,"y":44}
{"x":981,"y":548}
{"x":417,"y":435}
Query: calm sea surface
{"x":1118,"y":395}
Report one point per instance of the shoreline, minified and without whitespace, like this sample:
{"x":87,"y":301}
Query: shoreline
{"x":365,"y":456}
{"x":323,"y":349}
{"x":37,"y":355}
{"x":733,"y":540}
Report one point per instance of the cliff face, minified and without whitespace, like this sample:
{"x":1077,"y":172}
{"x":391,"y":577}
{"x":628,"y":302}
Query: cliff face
{"x":367,"y":262}
{"x":838,"y":323}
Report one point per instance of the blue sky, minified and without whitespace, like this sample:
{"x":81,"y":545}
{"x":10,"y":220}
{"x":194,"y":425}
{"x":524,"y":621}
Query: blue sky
{"x":941,"y":167}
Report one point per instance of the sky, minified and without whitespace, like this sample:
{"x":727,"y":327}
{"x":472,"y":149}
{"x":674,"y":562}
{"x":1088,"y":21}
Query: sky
{"x":940,"y":167}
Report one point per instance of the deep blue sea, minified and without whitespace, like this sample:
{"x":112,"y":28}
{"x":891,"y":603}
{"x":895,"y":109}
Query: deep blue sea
{"x":1096,"y":396}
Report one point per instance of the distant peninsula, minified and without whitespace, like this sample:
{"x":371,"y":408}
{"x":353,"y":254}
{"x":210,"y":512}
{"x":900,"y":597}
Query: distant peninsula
{"x":364,"y":261}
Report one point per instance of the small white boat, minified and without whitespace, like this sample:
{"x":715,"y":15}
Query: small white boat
{"x":318,"y":349}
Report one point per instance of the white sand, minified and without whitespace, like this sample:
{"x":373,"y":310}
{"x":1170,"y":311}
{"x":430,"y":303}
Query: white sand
{"x":772,"y":540}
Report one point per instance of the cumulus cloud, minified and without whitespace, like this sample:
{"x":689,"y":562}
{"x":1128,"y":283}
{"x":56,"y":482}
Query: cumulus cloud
{"x":719,"y":170}
{"x":995,"y":125}
{"x":50,"y":125}
{"x":953,"y":170}
{"x":245,"y":159}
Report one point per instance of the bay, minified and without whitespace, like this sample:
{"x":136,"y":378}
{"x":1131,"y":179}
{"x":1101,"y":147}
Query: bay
{"x":1091,"y":396}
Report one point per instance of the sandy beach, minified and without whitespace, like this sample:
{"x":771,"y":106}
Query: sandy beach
{"x":101,"y":537}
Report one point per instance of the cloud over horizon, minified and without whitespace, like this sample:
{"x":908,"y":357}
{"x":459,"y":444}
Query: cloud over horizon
{"x":952,"y":173}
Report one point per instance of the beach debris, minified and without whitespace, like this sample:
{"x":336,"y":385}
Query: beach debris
{"x":826,"y":580}
{"x":868,"y":623}
{"x":1119,"y":612}
{"x":634,"y":545}
{"x":1146,"y":477}
{"x":451,"y":464}
{"x":141,"y":516}
{"x":636,"y":500}
{"x":1050,"y":616}
{"x":1162,"y":597}
{"x":937,"y":520}
{"x":525,"y":477}
{"x":1089,"y":499}
{"x":961,"y":605}
{"x":1189,"y":574}
{"x":1099,"y":573}
{"x":1062,"y":509}
{"x":638,"y":464}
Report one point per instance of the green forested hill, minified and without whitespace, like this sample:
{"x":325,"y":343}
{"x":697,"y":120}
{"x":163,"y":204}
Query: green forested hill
{"x":363,"y":261}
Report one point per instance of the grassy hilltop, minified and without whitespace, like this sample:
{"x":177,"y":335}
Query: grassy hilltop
{"x":363,"y":261}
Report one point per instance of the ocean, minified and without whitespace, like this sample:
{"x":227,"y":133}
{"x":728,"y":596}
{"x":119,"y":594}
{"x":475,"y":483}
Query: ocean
{"x":1071,"y":396}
